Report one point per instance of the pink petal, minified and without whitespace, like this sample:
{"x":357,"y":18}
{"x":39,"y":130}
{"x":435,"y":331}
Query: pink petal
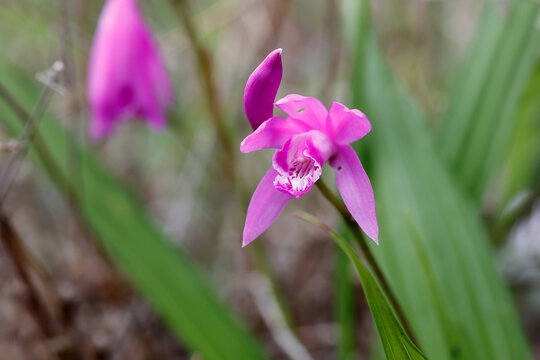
{"x":305,"y":109}
{"x":261,"y":89}
{"x":155,"y":116}
{"x":265,"y":206}
{"x":273,"y":133}
{"x":126,"y":75}
{"x":355,"y":189}
{"x":100,"y":127}
{"x":346,"y":125}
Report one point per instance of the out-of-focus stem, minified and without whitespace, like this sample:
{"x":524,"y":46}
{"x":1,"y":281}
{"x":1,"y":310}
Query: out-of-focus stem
{"x":10,"y":239}
{"x":334,"y":31}
{"x":38,"y":143}
{"x":204,"y":61}
{"x":207,"y":79}
{"x":261,"y":262}
{"x":278,"y":12}
{"x":345,"y":309}
{"x":281,"y":324}
{"x":13,"y":246}
{"x":362,"y":243}
{"x":72,"y":98}
{"x":260,"y":259}
{"x":30,"y":129}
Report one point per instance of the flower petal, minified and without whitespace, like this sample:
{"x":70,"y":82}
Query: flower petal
{"x":100,"y":126}
{"x":346,"y":126}
{"x":305,"y":109}
{"x":273,"y":133}
{"x":265,"y":206}
{"x":126,"y":75}
{"x":261,"y":89}
{"x":355,"y":189}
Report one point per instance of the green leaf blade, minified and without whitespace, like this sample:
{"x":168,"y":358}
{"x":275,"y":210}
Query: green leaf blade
{"x":170,"y":282}
{"x":474,"y":318}
{"x":479,"y":122}
{"x":396,"y":343}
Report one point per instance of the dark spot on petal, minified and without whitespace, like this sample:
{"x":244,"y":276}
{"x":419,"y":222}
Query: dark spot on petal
{"x":300,"y":110}
{"x":339,"y":168}
{"x":125,"y":96}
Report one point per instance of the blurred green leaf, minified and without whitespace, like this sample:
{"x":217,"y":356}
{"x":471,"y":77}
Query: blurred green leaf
{"x":520,"y":184}
{"x":471,"y":316}
{"x":164,"y":276}
{"x":481,"y":117}
{"x":523,"y":160}
{"x":395,"y":341}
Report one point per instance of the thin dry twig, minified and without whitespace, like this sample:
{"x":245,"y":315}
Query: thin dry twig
{"x":10,"y":239}
{"x":10,"y":170}
{"x":12,"y":244}
{"x":41,"y":148}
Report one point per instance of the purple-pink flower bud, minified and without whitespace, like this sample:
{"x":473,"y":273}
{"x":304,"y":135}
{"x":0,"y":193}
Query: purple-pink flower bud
{"x":261,"y":89}
{"x":126,"y":76}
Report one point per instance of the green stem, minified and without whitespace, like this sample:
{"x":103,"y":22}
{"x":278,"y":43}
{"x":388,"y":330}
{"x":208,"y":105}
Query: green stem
{"x":362,"y":243}
{"x":207,"y":78}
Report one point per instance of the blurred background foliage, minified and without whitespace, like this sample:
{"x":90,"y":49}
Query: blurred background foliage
{"x":133,"y":244}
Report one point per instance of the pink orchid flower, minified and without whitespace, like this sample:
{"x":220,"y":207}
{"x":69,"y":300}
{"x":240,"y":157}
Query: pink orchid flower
{"x":126,"y":76}
{"x":306,"y":139}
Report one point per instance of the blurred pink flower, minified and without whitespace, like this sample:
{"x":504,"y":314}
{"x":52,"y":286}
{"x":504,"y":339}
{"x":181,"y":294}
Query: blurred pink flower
{"x":126,"y":75}
{"x":306,"y":139}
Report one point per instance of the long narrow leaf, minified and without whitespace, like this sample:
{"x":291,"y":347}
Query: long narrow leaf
{"x":523,"y":161}
{"x":480,"y":120}
{"x":164,"y":276}
{"x":412,"y":185}
{"x":397,"y":345}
